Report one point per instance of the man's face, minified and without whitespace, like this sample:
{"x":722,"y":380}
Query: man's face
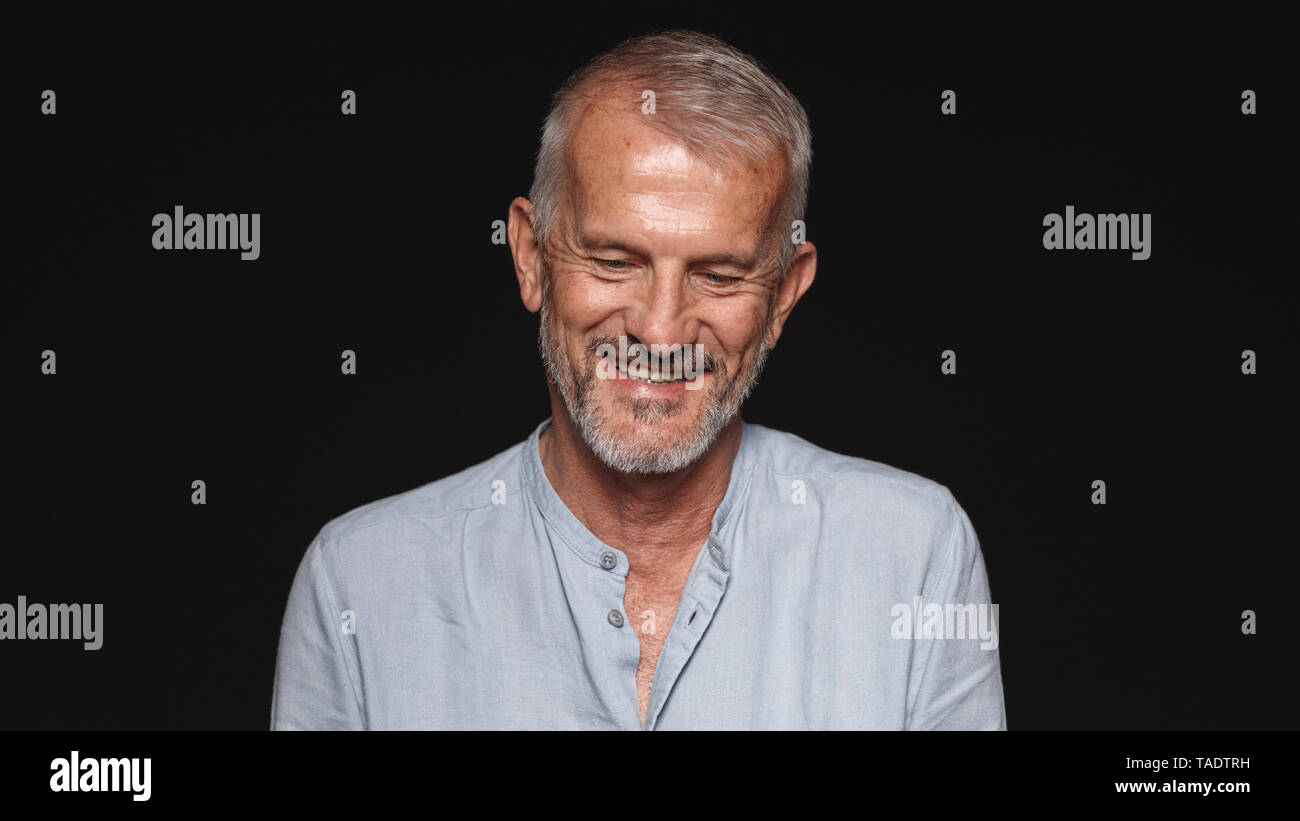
{"x":655,"y":246}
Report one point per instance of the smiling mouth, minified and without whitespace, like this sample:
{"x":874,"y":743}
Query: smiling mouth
{"x":648,"y":376}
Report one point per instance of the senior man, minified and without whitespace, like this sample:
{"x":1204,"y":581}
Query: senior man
{"x":646,"y":559}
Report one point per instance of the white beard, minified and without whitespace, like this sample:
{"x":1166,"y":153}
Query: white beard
{"x":577,"y":387}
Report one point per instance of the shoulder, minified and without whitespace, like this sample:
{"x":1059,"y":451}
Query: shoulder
{"x":851,"y":497}
{"x":419,"y":514}
{"x":780,"y":455}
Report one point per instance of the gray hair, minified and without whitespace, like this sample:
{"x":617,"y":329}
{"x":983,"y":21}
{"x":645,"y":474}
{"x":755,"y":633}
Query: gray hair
{"x":719,"y":102}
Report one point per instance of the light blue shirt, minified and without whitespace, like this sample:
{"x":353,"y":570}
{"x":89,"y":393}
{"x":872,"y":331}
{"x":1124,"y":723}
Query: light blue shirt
{"x":479,"y":601}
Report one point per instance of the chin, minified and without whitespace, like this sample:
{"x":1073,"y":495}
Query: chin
{"x":628,"y":445}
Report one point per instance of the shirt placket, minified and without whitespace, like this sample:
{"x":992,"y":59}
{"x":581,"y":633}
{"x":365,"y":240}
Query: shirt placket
{"x":700,"y":599}
{"x":594,"y":576}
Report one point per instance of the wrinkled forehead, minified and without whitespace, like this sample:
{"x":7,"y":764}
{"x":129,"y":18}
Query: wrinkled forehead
{"x":626,"y":171}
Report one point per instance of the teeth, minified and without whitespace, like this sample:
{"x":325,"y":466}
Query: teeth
{"x":642,"y":373}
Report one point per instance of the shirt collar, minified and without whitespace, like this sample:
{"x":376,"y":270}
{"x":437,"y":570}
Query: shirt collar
{"x":590,"y":549}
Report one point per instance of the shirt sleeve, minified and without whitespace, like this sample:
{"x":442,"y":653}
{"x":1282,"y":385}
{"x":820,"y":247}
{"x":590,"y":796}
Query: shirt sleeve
{"x":960,"y":681}
{"x":315,"y":684}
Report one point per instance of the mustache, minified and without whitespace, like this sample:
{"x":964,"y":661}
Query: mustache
{"x":682,"y":351}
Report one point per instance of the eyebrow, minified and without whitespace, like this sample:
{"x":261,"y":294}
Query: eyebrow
{"x":593,"y":242}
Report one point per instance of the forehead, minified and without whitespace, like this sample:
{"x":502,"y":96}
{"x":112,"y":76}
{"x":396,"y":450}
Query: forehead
{"x":635,"y":177}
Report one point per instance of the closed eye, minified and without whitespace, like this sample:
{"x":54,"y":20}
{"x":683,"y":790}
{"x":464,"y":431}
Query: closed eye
{"x":719,"y":279}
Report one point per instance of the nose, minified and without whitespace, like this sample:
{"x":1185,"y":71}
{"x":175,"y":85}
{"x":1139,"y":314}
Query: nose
{"x":663,"y":313}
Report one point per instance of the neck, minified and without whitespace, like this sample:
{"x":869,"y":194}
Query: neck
{"x":660,"y":521}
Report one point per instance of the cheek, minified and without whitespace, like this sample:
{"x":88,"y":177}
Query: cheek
{"x":739,"y":325}
{"x":582,"y":304}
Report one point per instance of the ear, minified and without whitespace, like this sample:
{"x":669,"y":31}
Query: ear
{"x":526,"y":252}
{"x":803,"y":269}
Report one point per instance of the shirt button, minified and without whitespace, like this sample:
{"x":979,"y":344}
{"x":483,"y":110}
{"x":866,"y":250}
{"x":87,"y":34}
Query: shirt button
{"x":608,"y":560}
{"x":616,"y":618}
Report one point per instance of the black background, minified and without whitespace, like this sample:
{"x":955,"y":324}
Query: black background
{"x":1072,"y":366}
